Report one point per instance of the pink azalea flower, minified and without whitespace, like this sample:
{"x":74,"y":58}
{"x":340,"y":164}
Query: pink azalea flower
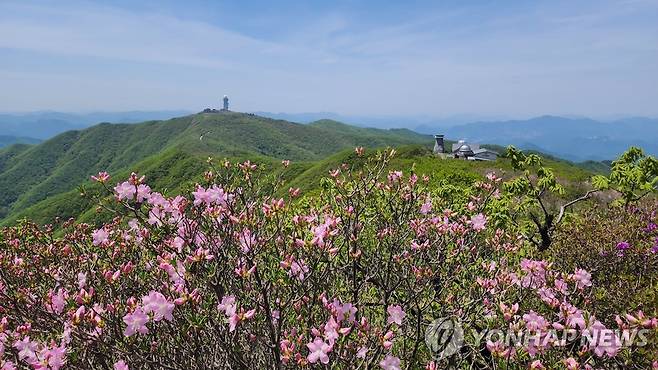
{"x":298,"y":269}
{"x":8,"y":365}
{"x":330,"y":330}
{"x":125,"y":190}
{"x":55,"y":357}
{"x":120,"y":365}
{"x":571,"y":363}
{"x":582,"y":278}
{"x":247,"y":240}
{"x":102,"y":177}
{"x":426,"y":207}
{"x":602,"y":341}
{"x":157,"y":304}
{"x":395,"y":314}
{"x":100,"y":237}
{"x":236,"y":317}
{"x":143,"y":192}
{"x":536,"y":365}
{"x":478,"y":222}
{"x":136,"y":322}
{"x":26,"y":349}
{"x":227,"y":305}
{"x":82,"y":280}
{"x":318,"y":350}
{"x":394,"y":176}
{"x":345,"y":311}
{"x":390,"y":363}
{"x":58,"y":301}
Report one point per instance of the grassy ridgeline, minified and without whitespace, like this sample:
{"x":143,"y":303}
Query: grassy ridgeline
{"x":45,"y":172}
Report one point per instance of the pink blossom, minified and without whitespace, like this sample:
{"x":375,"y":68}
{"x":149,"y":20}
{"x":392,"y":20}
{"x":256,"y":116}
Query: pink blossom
{"x":157,"y":304}
{"x":143,"y":192}
{"x":100,"y":237}
{"x":298,"y":269}
{"x":602,"y":341}
{"x":26,"y":349}
{"x":120,"y":365}
{"x":135,"y":322}
{"x":125,"y":190}
{"x":478,"y":222}
{"x":395,"y":314}
{"x":330,"y":332}
{"x":131,"y":191}
{"x":426,"y":207}
{"x":82,"y":280}
{"x":345,"y":311}
{"x":571,"y":363}
{"x":394,"y":176}
{"x":318,"y":350}
{"x":237,"y":317}
{"x":227,"y":305}
{"x":582,"y":278}
{"x":390,"y":363}
{"x":102,"y":177}
{"x":247,"y":240}
{"x":57,"y":301}
{"x":210,"y":196}
{"x":55,"y":357}
{"x":537,"y":365}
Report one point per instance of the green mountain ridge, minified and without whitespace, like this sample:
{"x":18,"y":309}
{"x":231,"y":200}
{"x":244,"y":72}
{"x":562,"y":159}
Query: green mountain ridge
{"x":45,"y":172}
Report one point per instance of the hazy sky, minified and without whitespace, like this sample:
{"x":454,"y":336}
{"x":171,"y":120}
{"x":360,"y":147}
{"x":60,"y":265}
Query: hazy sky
{"x":510,"y":58}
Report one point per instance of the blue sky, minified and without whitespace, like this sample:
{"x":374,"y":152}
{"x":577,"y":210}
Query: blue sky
{"x":511,"y":58}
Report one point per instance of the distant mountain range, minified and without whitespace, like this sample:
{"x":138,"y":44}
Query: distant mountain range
{"x":408,"y":121}
{"x":44,"y":125}
{"x":575,"y":139}
{"x":6,"y":140}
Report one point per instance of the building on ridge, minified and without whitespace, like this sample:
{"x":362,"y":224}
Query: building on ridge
{"x":224,"y":107}
{"x":225,"y":100}
{"x":472,"y":152}
{"x":463,"y":150}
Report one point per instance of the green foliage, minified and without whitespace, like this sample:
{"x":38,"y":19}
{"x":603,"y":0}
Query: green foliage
{"x":634,"y":175}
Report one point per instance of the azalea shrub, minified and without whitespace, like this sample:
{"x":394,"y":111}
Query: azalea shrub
{"x":619,"y":245}
{"x":233,"y":274}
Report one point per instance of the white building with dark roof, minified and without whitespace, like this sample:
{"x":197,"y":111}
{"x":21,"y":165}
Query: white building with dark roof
{"x":473,"y":152}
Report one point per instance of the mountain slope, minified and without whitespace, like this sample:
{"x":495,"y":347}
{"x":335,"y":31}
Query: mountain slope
{"x":174,"y":170}
{"x":31,"y":174}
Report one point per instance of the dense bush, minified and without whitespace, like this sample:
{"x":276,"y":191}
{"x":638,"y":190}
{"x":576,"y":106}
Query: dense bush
{"x":233,"y":277}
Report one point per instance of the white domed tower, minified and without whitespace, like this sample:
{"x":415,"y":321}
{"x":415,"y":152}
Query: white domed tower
{"x":225,"y":102}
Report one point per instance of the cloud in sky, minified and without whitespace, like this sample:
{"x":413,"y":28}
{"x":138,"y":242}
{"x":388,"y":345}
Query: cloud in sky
{"x":514,"y":58}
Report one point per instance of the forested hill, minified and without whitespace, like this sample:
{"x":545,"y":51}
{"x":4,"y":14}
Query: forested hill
{"x":30,"y":174}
